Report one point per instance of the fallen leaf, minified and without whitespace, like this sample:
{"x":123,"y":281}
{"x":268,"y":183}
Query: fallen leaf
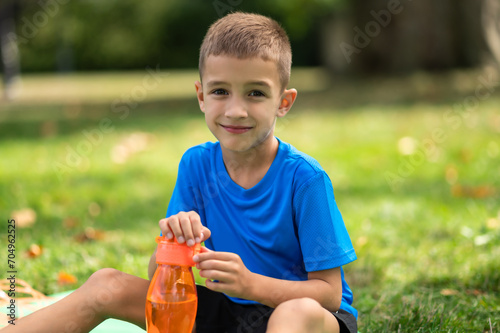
{"x":70,"y":222}
{"x":66,"y":278}
{"x":130,"y":145}
{"x":24,"y":217}
{"x":449,"y":292}
{"x":475,"y":292}
{"x":482,"y":191}
{"x":90,"y":234}
{"x":34,"y":251}
{"x":476,"y":192}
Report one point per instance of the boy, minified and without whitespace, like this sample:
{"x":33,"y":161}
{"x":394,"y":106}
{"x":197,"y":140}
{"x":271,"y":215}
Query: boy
{"x":275,"y":240}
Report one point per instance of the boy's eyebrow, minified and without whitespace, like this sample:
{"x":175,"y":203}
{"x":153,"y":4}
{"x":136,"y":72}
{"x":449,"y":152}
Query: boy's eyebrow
{"x":251,"y":83}
{"x":259,"y":83}
{"x":216,"y":83}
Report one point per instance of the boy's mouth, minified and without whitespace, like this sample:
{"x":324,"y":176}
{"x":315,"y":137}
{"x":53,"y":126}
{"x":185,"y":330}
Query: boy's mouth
{"x":236,"y":129}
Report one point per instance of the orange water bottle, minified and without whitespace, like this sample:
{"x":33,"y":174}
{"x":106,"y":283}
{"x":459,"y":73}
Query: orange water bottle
{"x":172,"y":299}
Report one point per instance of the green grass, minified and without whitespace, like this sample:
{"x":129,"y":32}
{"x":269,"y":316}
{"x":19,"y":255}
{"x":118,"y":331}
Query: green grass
{"x":427,"y":245}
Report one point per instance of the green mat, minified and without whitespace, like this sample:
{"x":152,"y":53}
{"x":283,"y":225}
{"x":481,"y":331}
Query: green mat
{"x":110,"y":325}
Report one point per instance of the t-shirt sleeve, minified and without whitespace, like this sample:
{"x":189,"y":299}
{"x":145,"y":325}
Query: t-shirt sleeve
{"x":322,"y":234}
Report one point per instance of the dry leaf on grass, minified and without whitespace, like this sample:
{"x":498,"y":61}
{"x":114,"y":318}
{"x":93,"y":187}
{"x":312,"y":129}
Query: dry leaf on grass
{"x":66,"y":279}
{"x":70,"y":222}
{"x":476,"y":192}
{"x":449,"y":292}
{"x":34,"y":251}
{"x":130,"y":145}
{"x":24,"y":217}
{"x":90,"y":234}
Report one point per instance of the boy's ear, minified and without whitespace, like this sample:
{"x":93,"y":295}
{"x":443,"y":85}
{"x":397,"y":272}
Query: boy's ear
{"x":287,"y":100}
{"x":199,"y":95}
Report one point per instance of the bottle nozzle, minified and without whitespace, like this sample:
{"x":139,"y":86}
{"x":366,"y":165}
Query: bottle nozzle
{"x":170,"y":252}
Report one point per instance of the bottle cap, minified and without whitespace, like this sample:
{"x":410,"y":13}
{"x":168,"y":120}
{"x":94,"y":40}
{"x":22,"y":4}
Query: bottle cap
{"x":170,"y":252}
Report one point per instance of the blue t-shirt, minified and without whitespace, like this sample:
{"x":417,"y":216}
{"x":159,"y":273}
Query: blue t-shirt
{"x":283,"y":227}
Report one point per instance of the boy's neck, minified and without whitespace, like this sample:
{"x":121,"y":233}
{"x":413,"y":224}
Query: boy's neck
{"x":248,"y":168}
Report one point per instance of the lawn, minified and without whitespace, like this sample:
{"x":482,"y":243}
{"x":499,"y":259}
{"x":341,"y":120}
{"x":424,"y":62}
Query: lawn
{"x":415,"y":162}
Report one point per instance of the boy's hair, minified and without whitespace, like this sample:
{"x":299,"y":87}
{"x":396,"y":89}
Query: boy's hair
{"x":245,"y":35}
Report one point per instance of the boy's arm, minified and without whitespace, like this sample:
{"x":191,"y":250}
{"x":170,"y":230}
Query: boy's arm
{"x":235,"y":280}
{"x":152,"y":265}
{"x":323,"y":286}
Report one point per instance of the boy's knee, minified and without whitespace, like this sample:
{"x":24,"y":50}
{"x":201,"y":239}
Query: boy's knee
{"x":303,"y":311}
{"x":108,"y":282}
{"x":103,"y":275}
{"x":105,"y":289}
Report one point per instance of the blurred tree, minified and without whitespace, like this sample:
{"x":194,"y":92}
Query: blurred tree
{"x":346,"y":36}
{"x":491,"y":23}
{"x":129,"y":34}
{"x":401,"y":36}
{"x":9,"y":51}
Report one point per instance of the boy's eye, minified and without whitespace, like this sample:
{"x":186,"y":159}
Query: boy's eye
{"x":219,"y":92}
{"x":256,"y":93}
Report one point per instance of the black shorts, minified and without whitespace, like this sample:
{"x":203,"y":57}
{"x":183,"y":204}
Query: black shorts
{"x":217,"y":314}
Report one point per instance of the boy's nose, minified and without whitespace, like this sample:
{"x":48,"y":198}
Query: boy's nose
{"x":236,"y":109}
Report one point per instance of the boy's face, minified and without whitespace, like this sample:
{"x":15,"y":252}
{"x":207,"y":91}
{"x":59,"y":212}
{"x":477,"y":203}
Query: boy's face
{"x":241,"y":99}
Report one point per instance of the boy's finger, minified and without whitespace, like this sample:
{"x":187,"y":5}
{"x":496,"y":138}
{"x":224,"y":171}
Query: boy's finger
{"x":165,"y":229}
{"x":203,"y":249}
{"x":205,"y":234}
{"x":175,"y":229}
{"x":186,"y":229}
{"x":197,"y":227}
{"x":216,"y":255}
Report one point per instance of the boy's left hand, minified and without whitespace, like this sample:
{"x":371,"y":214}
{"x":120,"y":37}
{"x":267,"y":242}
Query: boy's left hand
{"x":225,"y":272}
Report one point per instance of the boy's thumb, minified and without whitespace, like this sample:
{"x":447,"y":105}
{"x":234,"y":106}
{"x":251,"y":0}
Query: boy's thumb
{"x":204,"y":249}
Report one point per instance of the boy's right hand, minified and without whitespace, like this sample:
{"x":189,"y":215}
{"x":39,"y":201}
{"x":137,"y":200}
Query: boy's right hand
{"x":185,"y":227}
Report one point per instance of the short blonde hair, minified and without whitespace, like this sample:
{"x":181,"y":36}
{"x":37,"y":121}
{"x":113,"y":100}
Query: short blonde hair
{"x":245,"y":35}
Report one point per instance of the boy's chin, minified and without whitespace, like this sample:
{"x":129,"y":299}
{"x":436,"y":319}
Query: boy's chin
{"x":246,"y":143}
{"x":237,"y":146}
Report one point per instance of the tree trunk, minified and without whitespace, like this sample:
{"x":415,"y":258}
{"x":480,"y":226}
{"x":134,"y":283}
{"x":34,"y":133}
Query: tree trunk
{"x":402,"y":35}
{"x":491,"y":26}
{"x":9,"y":50}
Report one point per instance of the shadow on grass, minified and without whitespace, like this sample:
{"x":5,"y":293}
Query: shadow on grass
{"x":60,"y":120}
